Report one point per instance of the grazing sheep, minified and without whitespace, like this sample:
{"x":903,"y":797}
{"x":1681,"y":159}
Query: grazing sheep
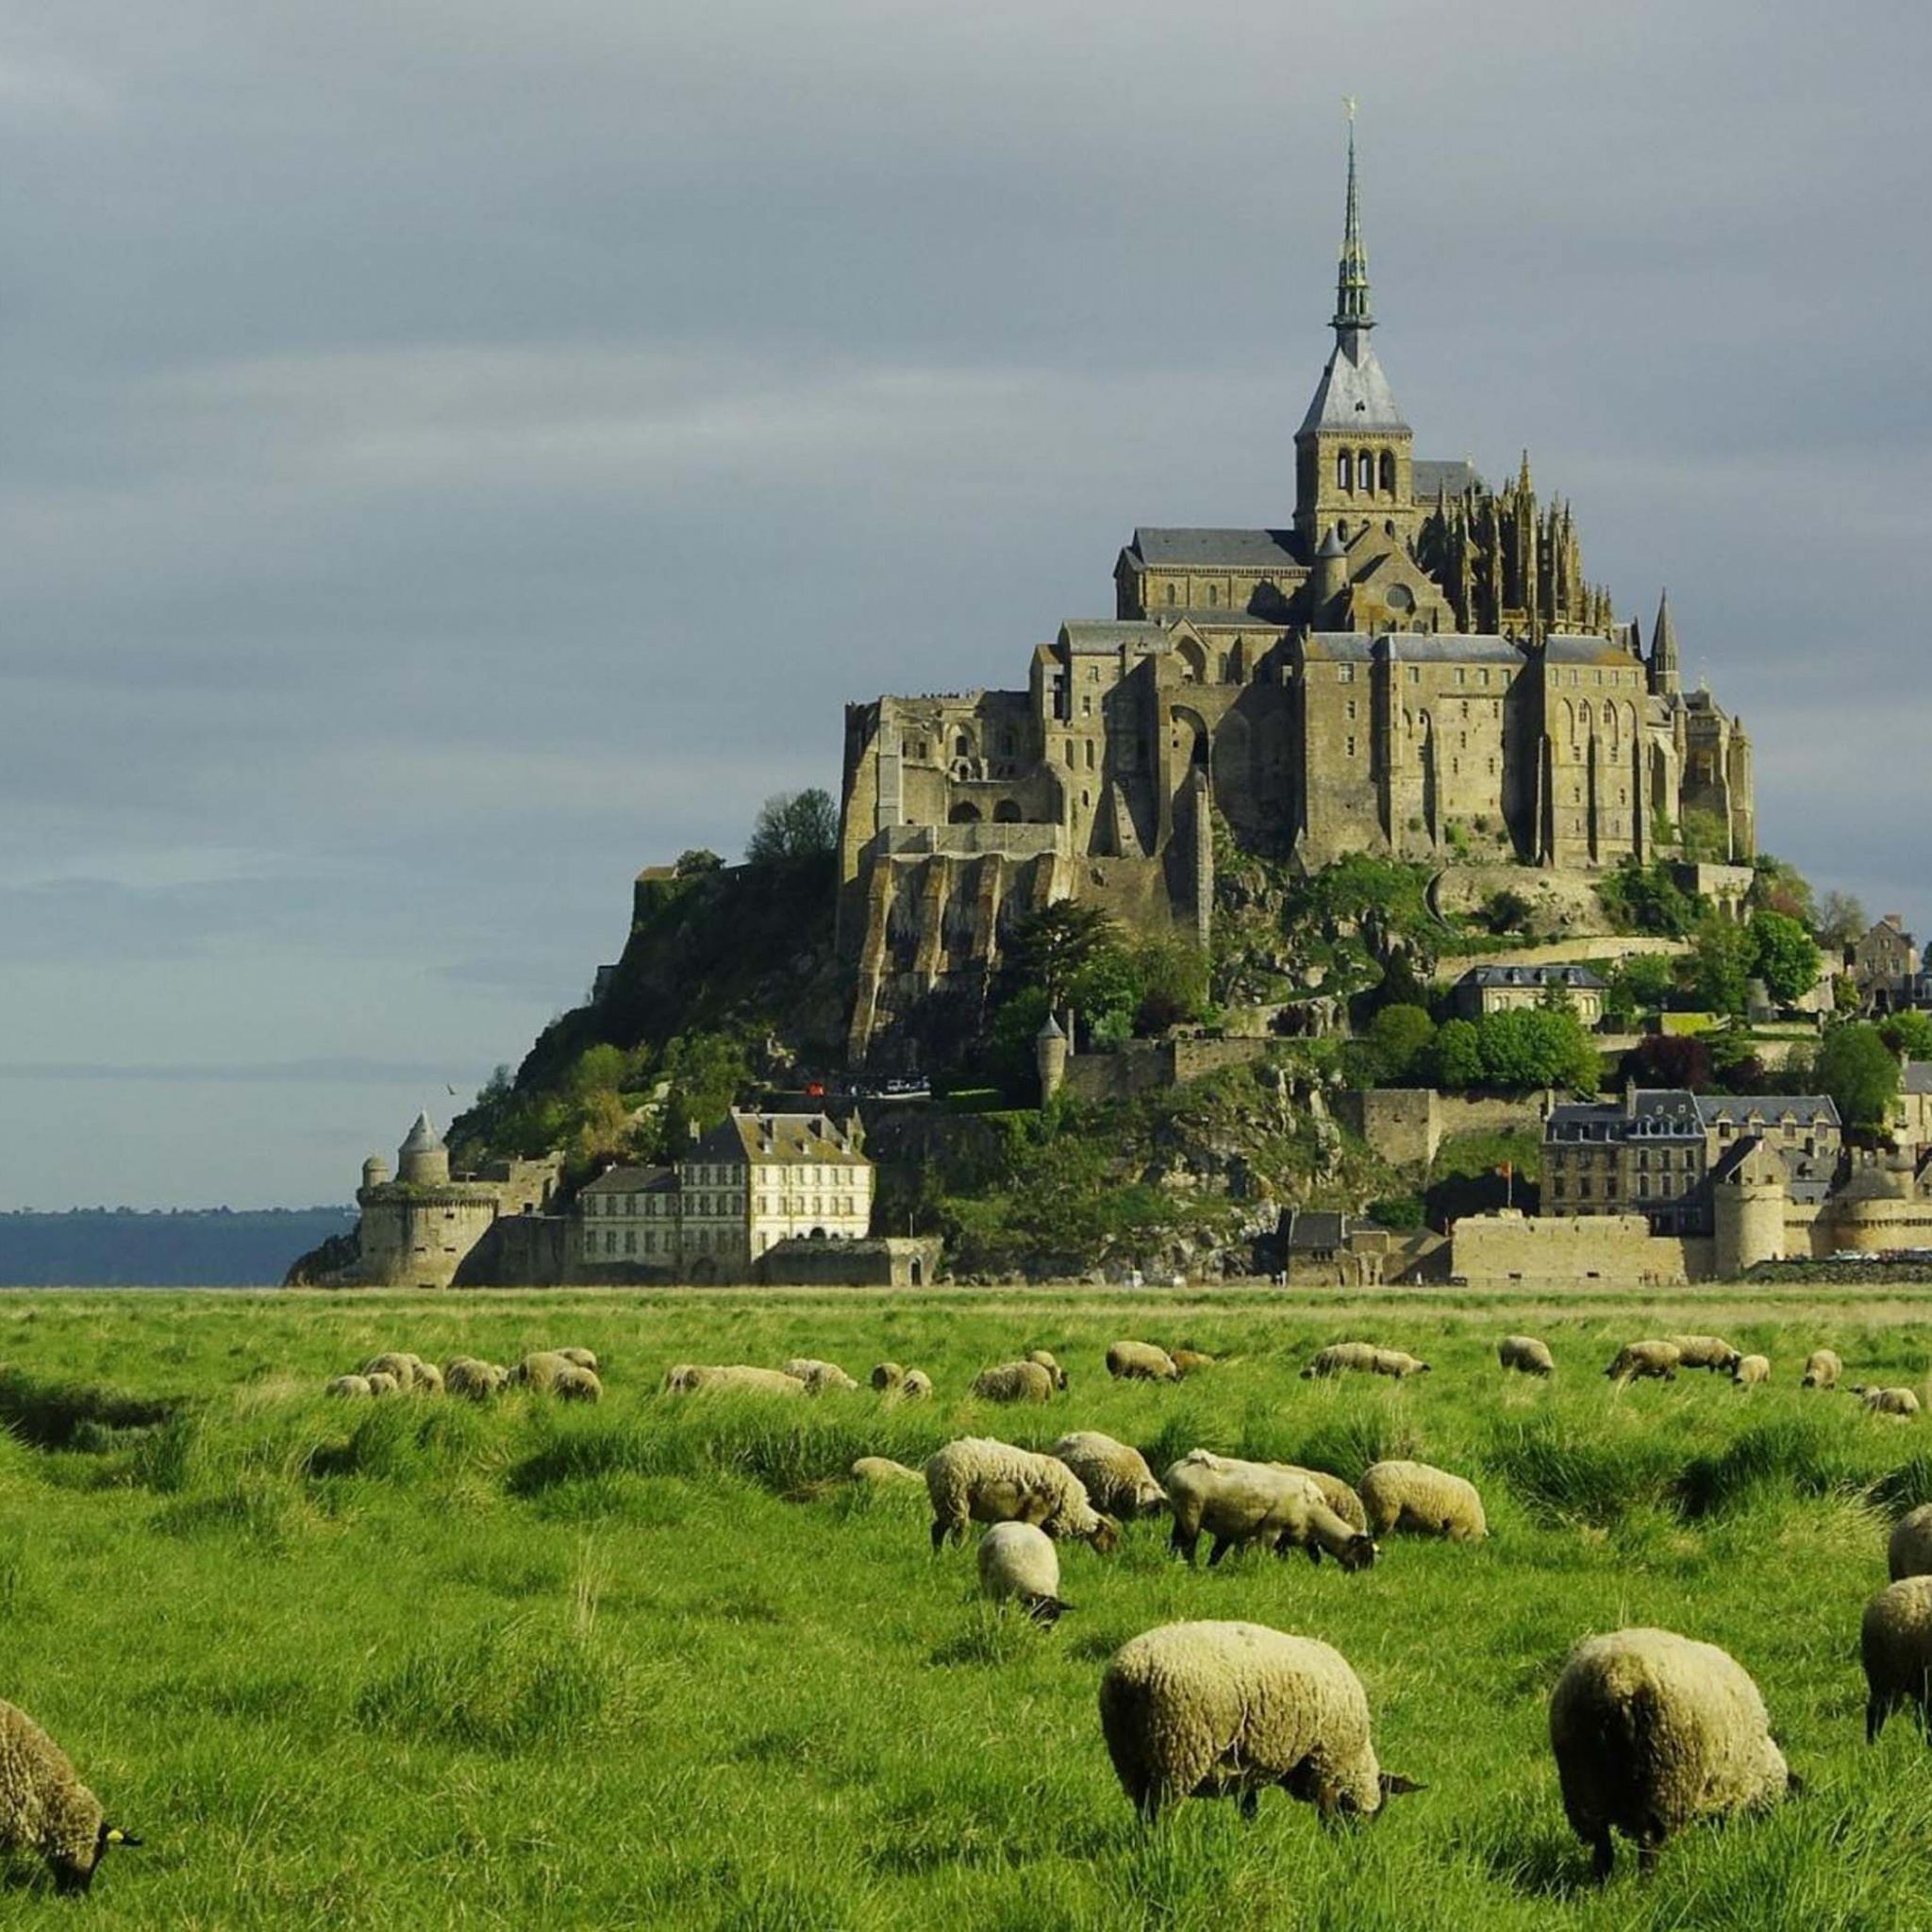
{"x":1909,"y":1551}
{"x":1188,"y":1360}
{"x":1342,"y":1358}
{"x":1704,"y":1352}
{"x":1895,"y":1641}
{"x":887,"y":1375}
{"x":403,"y":1367}
{"x":382,"y":1383}
{"x":1141,"y":1361}
{"x":579,"y":1357}
{"x":1653,"y":1731}
{"x":1821,"y":1370}
{"x":1638,"y":1360}
{"x":357,"y":1386}
{"x":1014,"y":1382}
{"x":1213,"y":1710}
{"x":1335,"y":1492}
{"x":1052,"y":1367}
{"x":917,"y":1387}
{"x":478,"y":1380}
{"x":1900,"y":1404}
{"x":882,"y":1470}
{"x":1751,"y":1369}
{"x":1527,"y":1355}
{"x":1018,"y":1562}
{"x":818,"y":1377}
{"x":1393,"y":1361}
{"x":686,"y":1378}
{"x":429,"y":1378}
{"x":539,"y":1371}
{"x":1116,"y":1477}
{"x":983,"y":1481}
{"x":45,"y":1807}
{"x":1425,"y":1502}
{"x":1238,"y":1503}
{"x":573,"y":1384}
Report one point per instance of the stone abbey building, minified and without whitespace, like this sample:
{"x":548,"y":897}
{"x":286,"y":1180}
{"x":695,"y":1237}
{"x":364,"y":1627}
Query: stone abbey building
{"x":1415,"y":665}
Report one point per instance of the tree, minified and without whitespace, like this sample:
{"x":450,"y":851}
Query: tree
{"x":1720,"y":961}
{"x":1533,"y":1046}
{"x":1458,"y":1056}
{"x":1666,"y":1059}
{"x":1707,"y":837}
{"x":1173,"y":981}
{"x":1645,"y":898}
{"x":1777,"y":886}
{"x":1397,"y":1044}
{"x":1050,"y":946}
{"x":1639,"y":984}
{"x":1857,"y":1069}
{"x":1841,"y":919}
{"x":1908,"y":1035}
{"x":697,"y":860}
{"x":1784,"y":955}
{"x":794,"y":826}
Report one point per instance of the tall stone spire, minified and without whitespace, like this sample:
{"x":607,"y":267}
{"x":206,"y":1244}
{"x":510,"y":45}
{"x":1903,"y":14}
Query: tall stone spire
{"x":1352,"y":309}
{"x":1666,"y":675}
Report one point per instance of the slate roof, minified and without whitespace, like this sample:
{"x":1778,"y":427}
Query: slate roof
{"x":1353,"y":392}
{"x":1587,"y":650}
{"x":757,"y":1139}
{"x":631,"y":1180}
{"x":1451,"y":647}
{"x":422,"y":1137}
{"x":1107,"y":634}
{"x":1316,"y":1230}
{"x":1918,"y":1077}
{"x":1218,"y":549}
{"x":1429,"y":475}
{"x":1768,"y":1108}
{"x":1531,"y":975}
{"x":1663,"y":1113}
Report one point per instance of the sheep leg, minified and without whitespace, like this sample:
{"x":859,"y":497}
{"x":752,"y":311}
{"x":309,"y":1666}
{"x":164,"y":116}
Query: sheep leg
{"x":1250,"y":1802}
{"x":944,"y":1532}
{"x":1218,"y":1551}
{"x":1877,"y":1710}
{"x":1648,"y":1850}
{"x":1183,"y":1542}
{"x":1603,"y":1857}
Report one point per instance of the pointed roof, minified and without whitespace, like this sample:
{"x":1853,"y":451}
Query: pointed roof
{"x":1352,"y":306}
{"x":422,"y":1137}
{"x":1663,"y":638}
{"x":1050,"y":1029}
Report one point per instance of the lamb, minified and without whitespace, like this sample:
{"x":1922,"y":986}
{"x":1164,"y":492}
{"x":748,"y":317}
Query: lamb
{"x":357,"y":1386}
{"x":917,"y":1387}
{"x":688,"y":1377}
{"x":1213,"y":1710}
{"x":45,"y":1807}
{"x":978,"y":1480}
{"x":1052,"y":1367}
{"x":887,"y":1376}
{"x":1821,"y":1370}
{"x":881,"y":1470}
{"x":573,"y":1384}
{"x":1426,"y":1501}
{"x":1141,"y":1361}
{"x":1014,"y":1382}
{"x":1900,"y":1404}
{"x":1637,"y":1361}
{"x":1116,"y":1477}
{"x":1527,"y":1355}
{"x":1018,"y":1562}
{"x":1751,"y":1369}
{"x":1239,"y":1503}
{"x":1342,"y":1358}
{"x":1652,"y":1731}
{"x":818,"y":1377}
{"x":1909,"y":1551}
{"x":1704,"y":1352}
{"x":478,"y":1380}
{"x":1188,"y":1360}
{"x":1895,"y":1641}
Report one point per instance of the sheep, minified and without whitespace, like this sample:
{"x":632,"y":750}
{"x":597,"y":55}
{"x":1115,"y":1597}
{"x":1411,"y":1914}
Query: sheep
{"x":1014,"y":1382}
{"x":1141,"y":1361}
{"x":1704,"y":1352}
{"x":1052,"y":1367}
{"x":1018,"y":1562}
{"x":1396,"y":1362}
{"x":818,"y":1377}
{"x":573,"y":1384}
{"x":1637,"y":1361}
{"x":1213,"y":1710}
{"x":1428,"y":1501}
{"x":1188,"y":1360}
{"x":403,"y":1367}
{"x":357,"y":1386}
{"x":1335,"y":1492}
{"x":1341,"y":1358}
{"x":1652,"y":1731}
{"x":382,"y":1383}
{"x":1900,"y":1404}
{"x":1909,"y":1551}
{"x":1239,"y":1503}
{"x":1527,"y":1355}
{"x":978,"y":1480}
{"x":917,"y":1387}
{"x":539,"y":1371}
{"x":45,"y":1807}
{"x":429,"y":1378}
{"x":1821,"y":1370}
{"x":1751,"y":1369}
{"x":1895,"y":1641}
{"x":1116,"y":1477}
{"x":478,"y":1380}
{"x":887,"y":1376}
{"x":881,"y":1470}
{"x":688,"y":1377}
{"x":579,"y":1357}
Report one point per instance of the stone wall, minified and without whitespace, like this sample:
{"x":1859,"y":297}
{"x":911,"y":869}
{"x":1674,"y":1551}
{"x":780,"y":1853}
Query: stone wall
{"x":1147,"y":1066}
{"x":891,"y":1261}
{"x":1406,"y":1125}
{"x":1505,"y":1249}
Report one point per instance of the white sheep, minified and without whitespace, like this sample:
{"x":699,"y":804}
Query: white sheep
{"x":539,"y":1370}
{"x":382,"y":1383}
{"x":45,"y":1807}
{"x":1115,"y":1475}
{"x":429,"y":1378}
{"x":573,"y":1384}
{"x":1399,"y":1363}
{"x":881,"y":1470}
{"x":1527,"y":1355}
{"x":1213,"y":1710}
{"x":1895,"y":1641}
{"x":356,"y":1386}
{"x":1638,"y":1360}
{"x":1653,"y":1731}
{"x":1342,"y":1358}
{"x":1017,"y":1564}
{"x":1704,"y":1352}
{"x":819,"y":1377}
{"x":1141,"y":1361}
{"x":687,"y":1379}
{"x":1026,"y":1381}
{"x":1422,"y":1500}
{"x":1189,"y":1360}
{"x":1900,"y":1404}
{"x":478,"y":1380}
{"x":1751,"y":1370}
{"x":1238,"y":1503}
{"x":1822,"y":1368}
{"x":579,"y":1357}
{"x":1339,"y":1497}
{"x":979,"y":1480}
{"x":1909,"y":1551}
{"x":1052,"y":1367}
{"x":394,"y":1363}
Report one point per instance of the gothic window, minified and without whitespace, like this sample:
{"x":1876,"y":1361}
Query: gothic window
{"x":962,"y":746}
{"x":1388,"y":473}
{"x":1342,"y":477}
{"x":1462,"y":676}
{"x":1365,"y":471}
{"x":1090,"y":754}
{"x":1086,"y":704}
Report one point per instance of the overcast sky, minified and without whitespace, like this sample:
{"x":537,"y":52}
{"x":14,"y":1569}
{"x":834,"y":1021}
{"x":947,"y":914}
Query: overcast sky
{"x":455,"y":452}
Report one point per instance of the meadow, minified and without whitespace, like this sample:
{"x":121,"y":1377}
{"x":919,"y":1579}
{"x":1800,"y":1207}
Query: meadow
{"x":656,"y":1663}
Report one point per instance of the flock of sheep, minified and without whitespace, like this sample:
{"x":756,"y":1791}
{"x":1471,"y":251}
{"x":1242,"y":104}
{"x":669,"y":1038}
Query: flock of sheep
{"x":569,"y":1373}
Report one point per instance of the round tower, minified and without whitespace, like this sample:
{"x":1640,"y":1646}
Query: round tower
{"x":1050,"y":1056}
{"x":1329,"y":577}
{"x":1748,"y":1208}
{"x":422,"y":1160}
{"x":374,"y":1172}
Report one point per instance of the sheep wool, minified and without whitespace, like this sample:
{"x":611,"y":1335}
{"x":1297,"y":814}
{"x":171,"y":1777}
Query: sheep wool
{"x":573,"y":1384}
{"x":1424,"y":1501}
{"x":429,"y":1378}
{"x":1909,"y":1551}
{"x":1141,"y":1361}
{"x":1638,"y":1360}
{"x":1342,"y":1358}
{"x":539,"y":1370}
{"x":1051,"y":1366}
{"x":687,"y":1379}
{"x":475,"y":1379}
{"x":1238,"y":1503}
{"x":976,"y":1479}
{"x":882,"y":1470}
{"x":45,"y":1807}
{"x":1017,"y":1564}
{"x":1751,"y":1369}
{"x":382,"y":1383}
{"x":1335,"y":1492}
{"x":1397,"y":1362}
{"x":1900,"y":1404}
{"x":1821,"y":1370}
{"x":819,"y":1377}
{"x":1189,"y":1360}
{"x":1114,"y":1475}
{"x":1895,"y":1641}
{"x":1704,"y":1352}
{"x":579,"y":1357}
{"x":1014,"y":1382}
{"x":357,"y":1386}
{"x":1213,"y":1710}
{"x":1653,"y":1731}
{"x":402,"y":1367}
{"x":917,"y":1387}
{"x":1527,"y":1355}
{"x":887,"y":1375}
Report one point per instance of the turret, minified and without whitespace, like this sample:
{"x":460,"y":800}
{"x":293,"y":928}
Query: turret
{"x":1050,"y":1058}
{"x":374,"y":1172}
{"x":1666,"y":672}
{"x":1329,"y":577}
{"x":422,"y":1160}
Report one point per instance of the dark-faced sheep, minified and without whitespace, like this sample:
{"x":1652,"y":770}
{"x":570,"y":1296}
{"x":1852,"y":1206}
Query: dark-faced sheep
{"x":1710,"y":1352}
{"x":1895,"y":1643}
{"x":45,"y":1807}
{"x":1114,"y":1475}
{"x":1019,"y":1565}
{"x":1821,"y":1370}
{"x":1014,"y":1382}
{"x":1637,"y":1361}
{"x":978,"y":1480}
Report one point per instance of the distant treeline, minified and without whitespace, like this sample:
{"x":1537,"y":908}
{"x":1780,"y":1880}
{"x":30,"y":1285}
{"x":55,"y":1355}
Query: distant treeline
{"x":194,"y":1247}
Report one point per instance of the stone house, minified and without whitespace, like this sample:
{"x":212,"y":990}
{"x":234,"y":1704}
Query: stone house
{"x":1884,"y":965}
{"x":1504,"y":988}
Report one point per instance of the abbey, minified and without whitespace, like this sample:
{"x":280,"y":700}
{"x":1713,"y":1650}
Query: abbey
{"x":1414,"y":666}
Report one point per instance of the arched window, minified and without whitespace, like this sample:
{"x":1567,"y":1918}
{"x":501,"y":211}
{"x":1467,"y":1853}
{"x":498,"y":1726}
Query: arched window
{"x":964,"y":813}
{"x":1364,"y":470}
{"x":1345,"y":476}
{"x":1170,"y":594}
{"x":1007,"y":813}
{"x":1388,"y":473}
{"x":1213,"y":595}
{"x":962,"y":746}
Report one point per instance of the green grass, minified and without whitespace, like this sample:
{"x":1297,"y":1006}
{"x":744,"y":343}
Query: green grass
{"x":656,"y":1663}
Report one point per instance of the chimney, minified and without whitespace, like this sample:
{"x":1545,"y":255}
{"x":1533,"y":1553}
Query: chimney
{"x":1630,"y":1099}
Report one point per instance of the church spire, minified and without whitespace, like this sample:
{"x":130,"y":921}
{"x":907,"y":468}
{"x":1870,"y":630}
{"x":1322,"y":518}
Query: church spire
{"x":1666,"y":676}
{"x":1352,"y":310}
